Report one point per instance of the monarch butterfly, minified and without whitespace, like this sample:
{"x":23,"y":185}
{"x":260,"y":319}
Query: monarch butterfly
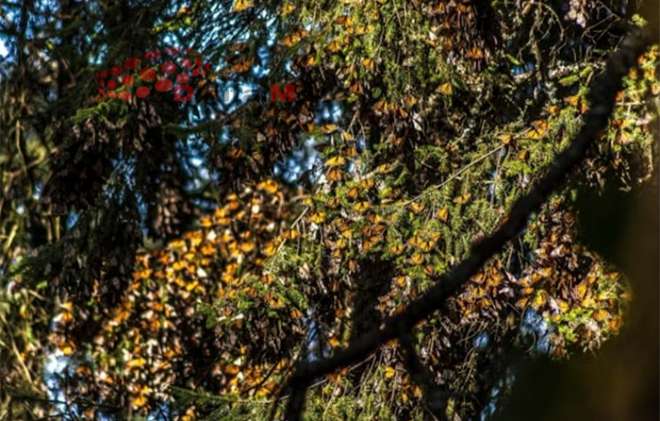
{"x":335,"y":161}
{"x":417,"y":258}
{"x":328,"y":128}
{"x":540,"y":299}
{"x":416,"y":207}
{"x":369,"y":243}
{"x":288,"y":8}
{"x":540,"y":127}
{"x":400,"y":281}
{"x":334,"y":47}
{"x":269,"y":249}
{"x":346,"y":233}
{"x":344,"y":20}
{"x":425,"y":245}
{"x":269,"y":186}
{"x":340,"y":244}
{"x":475,"y":53}
{"x":367,"y":183}
{"x":247,"y":246}
{"x":462,"y":199}
{"x":396,"y":249}
{"x":445,"y":89}
{"x":242,"y":66}
{"x":361,"y":207}
{"x":241,"y":5}
{"x":311,"y":60}
{"x":318,"y":217}
{"x":292,"y":39}
{"x":443,"y":214}
{"x":139,"y":401}
{"x":368,"y":64}
{"x":462,"y":8}
{"x":335,"y":174}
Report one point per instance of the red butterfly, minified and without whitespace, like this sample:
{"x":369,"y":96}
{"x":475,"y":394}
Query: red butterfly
{"x":289,"y":93}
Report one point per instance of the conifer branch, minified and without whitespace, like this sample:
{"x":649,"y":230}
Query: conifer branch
{"x":602,"y":97}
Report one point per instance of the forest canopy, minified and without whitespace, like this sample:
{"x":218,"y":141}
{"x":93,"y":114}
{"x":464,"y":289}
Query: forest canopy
{"x":199,"y":198}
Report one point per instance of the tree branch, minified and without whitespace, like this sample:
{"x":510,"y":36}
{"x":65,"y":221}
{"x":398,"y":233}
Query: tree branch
{"x":435,"y":398}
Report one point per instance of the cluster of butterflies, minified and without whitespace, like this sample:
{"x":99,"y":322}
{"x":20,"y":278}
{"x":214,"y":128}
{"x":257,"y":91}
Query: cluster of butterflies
{"x":168,"y":70}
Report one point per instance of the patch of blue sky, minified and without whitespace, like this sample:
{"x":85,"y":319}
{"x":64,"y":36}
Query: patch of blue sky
{"x":224,"y":136}
{"x":481,"y":341}
{"x":244,"y":36}
{"x":310,"y":25}
{"x":99,"y":58}
{"x":524,"y":69}
{"x":4,"y":52}
{"x":247,"y":91}
{"x":205,"y":205}
{"x":217,"y":33}
{"x":56,"y":367}
{"x":352,"y":168}
{"x":204,"y":174}
{"x":264,"y":54}
{"x":198,"y":113}
{"x":288,"y":67}
{"x":101,"y":55}
{"x":195,"y":145}
{"x":10,"y":13}
{"x":72,"y":219}
{"x":105,"y":417}
{"x":197,"y":162}
{"x":303,"y":162}
{"x":315,"y":348}
{"x":162,"y":413}
{"x":229,"y":93}
{"x":171,"y":40}
{"x":503,"y":385}
{"x":7,"y":54}
{"x":192,"y":153}
{"x":361,"y":144}
{"x":235,"y":93}
{"x":263,"y":67}
{"x":198,"y":180}
{"x":535,"y":327}
{"x":142,"y":211}
{"x":316,"y":175}
{"x":271,"y":25}
{"x":52,"y":94}
{"x":336,"y":111}
{"x":260,"y":71}
{"x":124,"y":168}
{"x":328,"y":112}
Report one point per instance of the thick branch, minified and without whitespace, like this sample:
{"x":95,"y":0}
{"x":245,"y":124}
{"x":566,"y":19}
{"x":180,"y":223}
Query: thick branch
{"x":434,"y":397}
{"x":602,"y":97}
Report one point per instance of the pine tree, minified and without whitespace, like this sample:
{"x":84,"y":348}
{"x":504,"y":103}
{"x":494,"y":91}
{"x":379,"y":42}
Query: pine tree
{"x":197,"y":196}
